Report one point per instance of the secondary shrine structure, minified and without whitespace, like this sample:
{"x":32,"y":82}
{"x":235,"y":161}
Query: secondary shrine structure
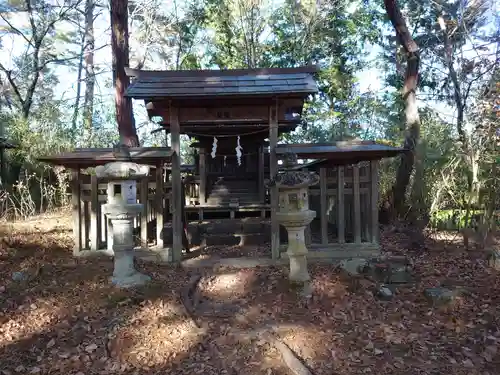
{"x":235,"y":118}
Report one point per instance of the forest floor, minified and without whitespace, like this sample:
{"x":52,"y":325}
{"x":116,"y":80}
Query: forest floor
{"x":60,"y":315}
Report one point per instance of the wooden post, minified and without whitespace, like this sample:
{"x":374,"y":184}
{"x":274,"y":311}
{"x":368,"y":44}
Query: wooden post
{"x":357,"y":203}
{"x":374,"y":201}
{"x":85,"y":221}
{"x":203,"y":175}
{"x":160,"y":206}
{"x":95,"y":217}
{"x":340,"y":205}
{"x":323,"y":205}
{"x":176,"y":185}
{"x":262,"y":188}
{"x":76,"y":205}
{"x":143,"y":199}
{"x":273,"y":170}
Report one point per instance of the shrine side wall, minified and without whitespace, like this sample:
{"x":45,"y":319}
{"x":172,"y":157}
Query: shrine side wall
{"x":346,"y":204}
{"x":93,"y":232}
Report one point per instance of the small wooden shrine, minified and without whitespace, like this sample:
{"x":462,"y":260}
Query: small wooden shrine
{"x":230,"y":113}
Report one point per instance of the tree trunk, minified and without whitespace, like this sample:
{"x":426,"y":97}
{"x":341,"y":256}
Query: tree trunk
{"x":88,"y":104}
{"x":119,"y":48}
{"x":412,"y":136}
{"x":76,"y":107}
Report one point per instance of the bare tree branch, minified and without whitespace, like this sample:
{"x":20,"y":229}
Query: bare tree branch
{"x":14,"y":29}
{"x":13,"y":84}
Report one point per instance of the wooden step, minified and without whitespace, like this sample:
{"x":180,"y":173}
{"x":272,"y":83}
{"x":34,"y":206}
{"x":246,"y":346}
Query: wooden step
{"x":224,"y":207}
{"x":233,"y":240}
{"x":228,"y":203}
{"x":231,"y":194}
{"x":242,"y":189}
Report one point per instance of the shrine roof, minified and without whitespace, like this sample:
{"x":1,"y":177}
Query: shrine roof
{"x":197,"y":84}
{"x":92,"y":157}
{"x":340,"y":153}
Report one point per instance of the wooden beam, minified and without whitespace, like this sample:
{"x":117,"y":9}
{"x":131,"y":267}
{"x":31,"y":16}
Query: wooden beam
{"x":203,"y":175}
{"x":357,"y":204}
{"x":273,"y":170}
{"x":374,"y":202}
{"x":340,"y":205}
{"x":76,"y":205}
{"x":323,"y":205}
{"x":176,"y":185}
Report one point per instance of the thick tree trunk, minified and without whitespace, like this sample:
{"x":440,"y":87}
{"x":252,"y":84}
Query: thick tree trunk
{"x":119,"y":47}
{"x":88,"y":104}
{"x":412,"y":136}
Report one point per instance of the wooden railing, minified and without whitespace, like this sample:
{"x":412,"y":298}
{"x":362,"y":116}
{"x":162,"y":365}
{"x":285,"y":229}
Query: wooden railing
{"x":348,"y":198}
{"x":92,"y":231}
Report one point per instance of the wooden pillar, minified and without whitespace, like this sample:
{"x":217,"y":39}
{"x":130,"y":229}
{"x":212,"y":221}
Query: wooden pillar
{"x":176,"y":185}
{"x":273,"y":170}
{"x":357,"y":203}
{"x":76,"y":204}
{"x":323,"y":190}
{"x":95,"y":217}
{"x":160,"y":206}
{"x":260,"y":171}
{"x":85,"y":221}
{"x":374,"y":201}
{"x":143,"y":199}
{"x":203,"y":175}
{"x":340,"y":205}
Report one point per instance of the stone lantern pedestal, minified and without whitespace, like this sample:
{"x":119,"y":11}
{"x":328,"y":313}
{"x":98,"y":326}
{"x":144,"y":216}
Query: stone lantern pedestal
{"x":122,"y":209}
{"x":294,"y":214}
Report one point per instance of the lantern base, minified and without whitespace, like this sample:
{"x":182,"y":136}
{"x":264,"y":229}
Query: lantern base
{"x":137,"y":279}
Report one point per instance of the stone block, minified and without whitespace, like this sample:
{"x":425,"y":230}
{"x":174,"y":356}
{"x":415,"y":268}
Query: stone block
{"x":440,"y":295}
{"x":353,"y":266}
{"x":385,"y":293}
{"x":221,"y":240}
{"x":253,"y":239}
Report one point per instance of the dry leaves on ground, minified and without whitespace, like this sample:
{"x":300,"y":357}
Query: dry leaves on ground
{"x":60,"y":315}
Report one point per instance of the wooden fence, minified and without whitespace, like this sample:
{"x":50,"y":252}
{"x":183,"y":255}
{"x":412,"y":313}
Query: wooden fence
{"x":93,"y":232}
{"x":346,"y":202}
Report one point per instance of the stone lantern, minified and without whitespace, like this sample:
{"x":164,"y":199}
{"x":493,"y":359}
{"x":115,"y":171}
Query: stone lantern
{"x":294,"y":214}
{"x":122,"y":209}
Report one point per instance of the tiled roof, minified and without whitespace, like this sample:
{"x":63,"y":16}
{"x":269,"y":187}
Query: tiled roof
{"x":213,"y":83}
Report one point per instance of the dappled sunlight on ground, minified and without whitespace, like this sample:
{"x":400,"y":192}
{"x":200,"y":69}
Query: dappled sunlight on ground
{"x":229,"y":284}
{"x":28,"y":320}
{"x":153,"y":336}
